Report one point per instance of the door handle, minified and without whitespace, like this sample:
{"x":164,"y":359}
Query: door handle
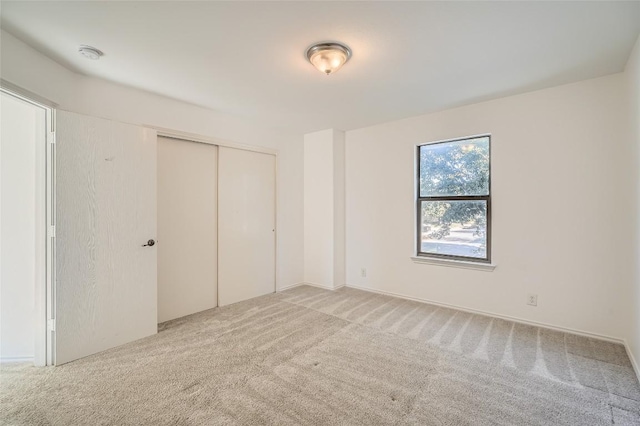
{"x":150,"y":243}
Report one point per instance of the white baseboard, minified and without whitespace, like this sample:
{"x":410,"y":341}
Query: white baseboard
{"x":634,"y":364}
{"x":494,"y":315}
{"x":287,"y":287}
{"x":7,"y":360}
{"x":324,"y":287}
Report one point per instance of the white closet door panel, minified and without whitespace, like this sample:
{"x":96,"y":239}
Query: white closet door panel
{"x":22,"y":217}
{"x":246,"y":225}
{"x":187,"y":228}
{"x":106,"y":286}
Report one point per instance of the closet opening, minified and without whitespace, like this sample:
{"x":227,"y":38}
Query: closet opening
{"x":216,"y":225}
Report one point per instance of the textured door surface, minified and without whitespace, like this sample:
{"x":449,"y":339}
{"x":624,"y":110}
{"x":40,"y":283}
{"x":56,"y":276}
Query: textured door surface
{"x":106,"y":282}
{"x":246,"y":225}
{"x":187,"y":228}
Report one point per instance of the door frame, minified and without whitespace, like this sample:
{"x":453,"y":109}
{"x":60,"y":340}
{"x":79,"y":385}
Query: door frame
{"x":45,"y":228}
{"x":191,"y":137}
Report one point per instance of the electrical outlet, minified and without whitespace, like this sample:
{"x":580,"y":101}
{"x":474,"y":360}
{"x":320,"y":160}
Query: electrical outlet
{"x":532,"y":299}
{"x":363,"y":272}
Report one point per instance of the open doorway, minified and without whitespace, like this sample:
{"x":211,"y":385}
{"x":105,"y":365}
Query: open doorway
{"x":25,"y":182}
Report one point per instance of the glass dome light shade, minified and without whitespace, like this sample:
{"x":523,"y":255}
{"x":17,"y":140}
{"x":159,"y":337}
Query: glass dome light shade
{"x":328,"y":57}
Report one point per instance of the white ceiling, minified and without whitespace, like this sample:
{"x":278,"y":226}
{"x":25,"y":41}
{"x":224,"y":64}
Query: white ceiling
{"x":409,"y":58}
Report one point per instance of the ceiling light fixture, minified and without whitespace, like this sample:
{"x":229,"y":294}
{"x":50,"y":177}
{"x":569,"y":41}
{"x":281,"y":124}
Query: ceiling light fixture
{"x":328,"y":57}
{"x":90,"y":52}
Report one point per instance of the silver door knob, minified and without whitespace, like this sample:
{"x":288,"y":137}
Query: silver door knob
{"x":150,"y":243}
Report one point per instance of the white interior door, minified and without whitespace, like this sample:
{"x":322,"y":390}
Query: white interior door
{"x":106,"y":286}
{"x":23,"y":128}
{"x":246,"y":225}
{"x":187,"y":228}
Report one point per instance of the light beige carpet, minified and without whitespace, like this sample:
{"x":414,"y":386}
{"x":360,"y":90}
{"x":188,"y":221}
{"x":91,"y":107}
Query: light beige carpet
{"x":313,"y":357}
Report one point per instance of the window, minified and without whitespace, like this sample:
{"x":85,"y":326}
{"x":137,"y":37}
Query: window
{"x":454,"y":199}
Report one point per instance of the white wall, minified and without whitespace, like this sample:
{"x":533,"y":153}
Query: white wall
{"x":339,"y":210}
{"x":318,"y":208}
{"x":23,"y":127}
{"x":324,"y":208}
{"x":562,"y":207}
{"x":25,"y":67}
{"x":632,"y":77}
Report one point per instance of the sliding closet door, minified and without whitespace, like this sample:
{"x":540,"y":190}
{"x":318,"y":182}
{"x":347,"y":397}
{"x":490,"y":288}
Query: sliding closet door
{"x":246,"y":225}
{"x":106,"y":289}
{"x":187,"y":228}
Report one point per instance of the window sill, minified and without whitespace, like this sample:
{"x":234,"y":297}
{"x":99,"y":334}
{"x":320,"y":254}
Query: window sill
{"x":455,"y":263}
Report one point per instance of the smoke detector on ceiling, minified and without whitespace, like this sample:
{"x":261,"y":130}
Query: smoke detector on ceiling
{"x":90,"y":52}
